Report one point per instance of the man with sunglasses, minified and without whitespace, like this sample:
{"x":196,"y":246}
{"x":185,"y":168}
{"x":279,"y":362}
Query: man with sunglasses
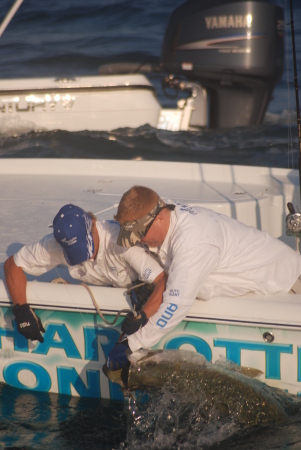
{"x":205,"y":255}
{"x":89,"y":249}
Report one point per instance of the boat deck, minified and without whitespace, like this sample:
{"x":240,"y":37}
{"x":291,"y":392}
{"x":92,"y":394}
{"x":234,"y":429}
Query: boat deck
{"x":36,"y":189}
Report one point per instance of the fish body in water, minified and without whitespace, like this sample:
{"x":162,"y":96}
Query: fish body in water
{"x":190,"y":376}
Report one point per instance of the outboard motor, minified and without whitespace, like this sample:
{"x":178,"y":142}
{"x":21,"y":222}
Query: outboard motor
{"x":233,"y":49}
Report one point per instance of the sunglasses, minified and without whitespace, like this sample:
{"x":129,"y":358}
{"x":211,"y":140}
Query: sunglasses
{"x":134,"y":231}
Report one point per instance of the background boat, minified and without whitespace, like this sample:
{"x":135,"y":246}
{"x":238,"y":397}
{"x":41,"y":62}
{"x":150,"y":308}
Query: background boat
{"x":220,"y":60}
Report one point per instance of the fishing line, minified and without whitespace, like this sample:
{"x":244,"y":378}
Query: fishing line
{"x":10,"y":15}
{"x":296,"y":88}
{"x":290,"y":154}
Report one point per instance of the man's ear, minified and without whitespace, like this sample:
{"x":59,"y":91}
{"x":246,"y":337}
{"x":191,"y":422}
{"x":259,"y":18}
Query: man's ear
{"x":163,"y":215}
{"x":160,"y":217}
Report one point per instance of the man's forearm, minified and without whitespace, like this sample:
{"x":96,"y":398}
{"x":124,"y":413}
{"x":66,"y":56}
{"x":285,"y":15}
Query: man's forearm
{"x":164,"y":320}
{"x":16,"y":281}
{"x":156,"y":298}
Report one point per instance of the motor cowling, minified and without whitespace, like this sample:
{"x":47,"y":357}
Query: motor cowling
{"x":233,"y":49}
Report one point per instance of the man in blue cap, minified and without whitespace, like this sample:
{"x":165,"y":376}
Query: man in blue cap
{"x":89,"y":249}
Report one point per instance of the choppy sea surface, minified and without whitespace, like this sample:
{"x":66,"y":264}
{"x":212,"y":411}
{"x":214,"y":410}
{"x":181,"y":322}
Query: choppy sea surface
{"x":68,"y":38}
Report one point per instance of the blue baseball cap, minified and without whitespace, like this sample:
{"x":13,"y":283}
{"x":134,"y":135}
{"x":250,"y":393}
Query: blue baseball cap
{"x":72,"y":228}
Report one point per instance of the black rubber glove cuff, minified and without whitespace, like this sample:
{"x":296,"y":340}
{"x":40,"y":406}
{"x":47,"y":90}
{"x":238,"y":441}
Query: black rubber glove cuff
{"x":132,"y":324}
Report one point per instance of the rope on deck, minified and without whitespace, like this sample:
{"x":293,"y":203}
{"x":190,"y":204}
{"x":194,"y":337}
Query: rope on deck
{"x":62,"y":281}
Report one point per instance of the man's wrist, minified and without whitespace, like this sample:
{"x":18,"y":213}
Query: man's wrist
{"x":17,"y":307}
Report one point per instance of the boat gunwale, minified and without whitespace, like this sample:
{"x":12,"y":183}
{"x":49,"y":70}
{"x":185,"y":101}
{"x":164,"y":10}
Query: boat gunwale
{"x":78,"y":89}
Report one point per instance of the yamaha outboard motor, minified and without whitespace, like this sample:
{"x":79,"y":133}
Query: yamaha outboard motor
{"x":233,"y":49}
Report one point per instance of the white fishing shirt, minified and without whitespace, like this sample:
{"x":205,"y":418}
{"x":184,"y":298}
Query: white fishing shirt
{"x":114,"y":265}
{"x":207,"y":255}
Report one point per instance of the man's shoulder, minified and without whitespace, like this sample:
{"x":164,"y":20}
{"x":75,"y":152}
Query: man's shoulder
{"x":49,"y":242}
{"x":187,"y":223}
{"x":108,"y":234}
{"x":193,"y":215}
{"x":46,"y":249}
{"x":183,"y":209}
{"x":108,"y":230}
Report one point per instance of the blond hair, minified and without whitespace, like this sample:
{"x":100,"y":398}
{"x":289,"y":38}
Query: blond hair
{"x":135,"y":203}
{"x":94,"y":220}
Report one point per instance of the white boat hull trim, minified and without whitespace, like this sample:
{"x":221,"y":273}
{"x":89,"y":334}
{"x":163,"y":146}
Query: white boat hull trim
{"x":261,"y":332}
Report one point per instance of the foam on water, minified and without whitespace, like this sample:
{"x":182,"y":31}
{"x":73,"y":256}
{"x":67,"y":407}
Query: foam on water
{"x":270,"y":145}
{"x":168,"y":418}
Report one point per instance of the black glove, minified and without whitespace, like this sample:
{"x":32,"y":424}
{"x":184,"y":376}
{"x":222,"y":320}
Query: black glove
{"x":118,"y":357}
{"x":29,"y":324}
{"x":132,"y":324}
{"x":140,"y":295}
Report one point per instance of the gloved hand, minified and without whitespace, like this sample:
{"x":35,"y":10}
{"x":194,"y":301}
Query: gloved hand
{"x":132,"y":324}
{"x":117,"y":358}
{"x":140,"y":295}
{"x":29,"y":324}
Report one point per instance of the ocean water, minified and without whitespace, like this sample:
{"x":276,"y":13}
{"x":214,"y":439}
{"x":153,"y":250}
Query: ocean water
{"x":68,"y":38}
{"x":64,"y":39}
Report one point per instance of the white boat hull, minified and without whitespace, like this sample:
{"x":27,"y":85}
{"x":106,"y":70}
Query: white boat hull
{"x":77,"y":341}
{"x":261,"y":332}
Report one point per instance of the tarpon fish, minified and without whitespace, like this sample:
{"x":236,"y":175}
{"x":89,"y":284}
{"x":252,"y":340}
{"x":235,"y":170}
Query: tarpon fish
{"x":234,"y":393}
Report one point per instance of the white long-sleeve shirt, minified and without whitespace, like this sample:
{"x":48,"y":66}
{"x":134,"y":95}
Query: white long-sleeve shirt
{"x":114,"y":265}
{"x":206,"y":255}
